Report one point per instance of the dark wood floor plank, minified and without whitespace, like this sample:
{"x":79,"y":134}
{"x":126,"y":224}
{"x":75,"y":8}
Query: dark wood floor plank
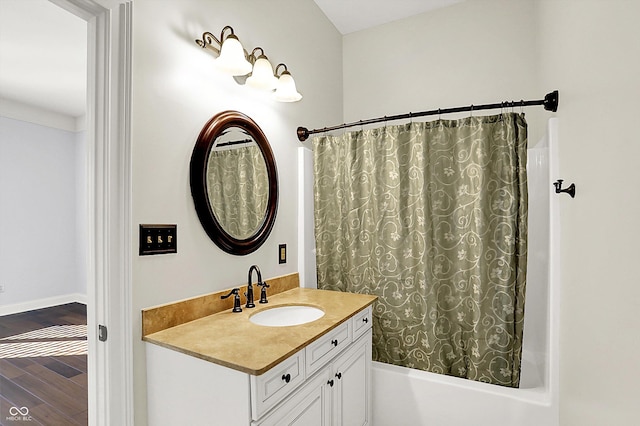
{"x":54,"y":389}
{"x":50,"y":395}
{"x":12,"y":328}
{"x":21,"y":363}
{"x":62,"y":369}
{"x":79,"y":362}
{"x":54,"y":380}
{"x":81,"y":379}
{"x":82,"y":418}
{"x":9,"y":370}
{"x":16,"y":394}
{"x":6,"y":419}
{"x":49,"y":416}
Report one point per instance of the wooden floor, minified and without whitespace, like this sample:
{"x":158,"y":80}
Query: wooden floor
{"x":43,"y":367}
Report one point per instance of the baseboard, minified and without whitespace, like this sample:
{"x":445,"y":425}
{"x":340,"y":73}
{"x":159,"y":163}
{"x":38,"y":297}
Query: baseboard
{"x":43,"y":303}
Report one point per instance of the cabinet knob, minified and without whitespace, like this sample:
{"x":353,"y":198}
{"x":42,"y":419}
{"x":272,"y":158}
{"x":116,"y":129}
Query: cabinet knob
{"x":365,"y":319}
{"x":334,"y":342}
{"x":339,"y":375}
{"x":330,"y":382}
{"x":286,"y":377}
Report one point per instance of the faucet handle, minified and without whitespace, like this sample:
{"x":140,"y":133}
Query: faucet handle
{"x":263,"y":292}
{"x":236,"y":299}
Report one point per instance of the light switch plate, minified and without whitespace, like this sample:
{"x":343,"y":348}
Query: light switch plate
{"x":158,"y":239}
{"x":282,"y":253}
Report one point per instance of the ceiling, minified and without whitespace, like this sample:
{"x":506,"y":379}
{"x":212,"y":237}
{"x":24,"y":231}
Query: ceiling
{"x":354,"y":15}
{"x":43,"y":56}
{"x":43,"y":48}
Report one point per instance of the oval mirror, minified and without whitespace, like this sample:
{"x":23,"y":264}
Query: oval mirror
{"x":234,"y":182}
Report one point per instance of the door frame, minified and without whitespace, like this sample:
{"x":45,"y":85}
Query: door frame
{"x":110,"y":363}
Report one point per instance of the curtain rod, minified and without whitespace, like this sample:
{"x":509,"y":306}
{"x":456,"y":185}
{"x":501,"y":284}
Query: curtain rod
{"x":238,"y":142}
{"x":550,"y":103}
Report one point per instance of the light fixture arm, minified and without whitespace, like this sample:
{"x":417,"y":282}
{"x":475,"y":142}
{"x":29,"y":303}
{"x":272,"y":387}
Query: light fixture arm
{"x":208,"y":39}
{"x":278,"y":67}
{"x":207,"y":42}
{"x":253,"y":56}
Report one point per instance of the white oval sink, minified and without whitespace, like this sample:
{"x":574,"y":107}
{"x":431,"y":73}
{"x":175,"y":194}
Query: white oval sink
{"x":284,"y":316}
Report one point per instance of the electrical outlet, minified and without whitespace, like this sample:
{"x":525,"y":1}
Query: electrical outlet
{"x":1,"y":288}
{"x":282,"y":253}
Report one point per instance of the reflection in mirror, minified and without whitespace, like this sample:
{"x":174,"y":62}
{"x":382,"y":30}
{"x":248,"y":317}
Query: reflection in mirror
{"x":237,"y":183}
{"x":234,"y":182}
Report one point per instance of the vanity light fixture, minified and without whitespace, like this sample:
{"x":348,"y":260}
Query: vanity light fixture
{"x":262,"y":76}
{"x":286,"y":90}
{"x":231,"y":55}
{"x":233,"y":59}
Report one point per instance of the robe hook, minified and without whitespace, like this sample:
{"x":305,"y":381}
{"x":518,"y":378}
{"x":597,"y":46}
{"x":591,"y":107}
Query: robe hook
{"x":571,"y":189}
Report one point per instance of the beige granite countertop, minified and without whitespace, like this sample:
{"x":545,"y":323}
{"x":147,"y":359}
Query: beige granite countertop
{"x":231,"y":340}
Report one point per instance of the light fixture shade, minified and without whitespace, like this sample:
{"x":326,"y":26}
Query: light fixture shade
{"x":286,"y":90}
{"x":232,"y":59}
{"x":262,"y":76}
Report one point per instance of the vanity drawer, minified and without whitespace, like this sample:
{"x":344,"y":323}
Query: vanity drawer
{"x":325,"y":348}
{"x":271,"y":387}
{"x":361,"y":322}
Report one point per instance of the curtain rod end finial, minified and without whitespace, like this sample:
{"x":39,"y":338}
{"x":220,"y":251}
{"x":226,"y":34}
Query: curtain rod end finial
{"x":303,"y":134}
{"x":551,"y":101}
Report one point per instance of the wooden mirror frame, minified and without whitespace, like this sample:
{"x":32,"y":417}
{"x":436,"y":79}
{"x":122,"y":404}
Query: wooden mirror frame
{"x":198,"y":173}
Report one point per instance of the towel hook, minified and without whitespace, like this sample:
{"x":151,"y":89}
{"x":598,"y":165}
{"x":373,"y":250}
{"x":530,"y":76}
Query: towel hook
{"x":571,"y":189}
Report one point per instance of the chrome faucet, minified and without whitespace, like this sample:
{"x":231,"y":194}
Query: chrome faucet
{"x":249,"y":292}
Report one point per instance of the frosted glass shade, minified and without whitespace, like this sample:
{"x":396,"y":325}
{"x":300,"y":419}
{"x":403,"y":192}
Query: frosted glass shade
{"x":286,"y":90}
{"x":262,"y":76}
{"x":232,"y":60}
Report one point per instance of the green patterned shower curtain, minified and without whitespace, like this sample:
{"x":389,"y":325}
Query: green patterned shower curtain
{"x":238,"y":189}
{"x":432,"y":218}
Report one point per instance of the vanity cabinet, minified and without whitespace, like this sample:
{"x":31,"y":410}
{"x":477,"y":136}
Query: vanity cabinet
{"x":326,"y":383}
{"x":351,"y":390}
{"x":310,"y":405}
{"x":338,"y":394}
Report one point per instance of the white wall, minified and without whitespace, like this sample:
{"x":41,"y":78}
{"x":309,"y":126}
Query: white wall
{"x":175,"y":91}
{"x":41,"y":246}
{"x":474,"y":52}
{"x":591,"y":50}
{"x":493,"y":50}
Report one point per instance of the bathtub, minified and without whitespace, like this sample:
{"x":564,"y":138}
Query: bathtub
{"x":403,"y":396}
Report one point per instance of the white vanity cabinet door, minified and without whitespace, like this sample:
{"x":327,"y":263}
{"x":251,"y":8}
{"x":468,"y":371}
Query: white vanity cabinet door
{"x":351,"y":390}
{"x":273,"y":386}
{"x":308,"y":406}
{"x":328,"y":346}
